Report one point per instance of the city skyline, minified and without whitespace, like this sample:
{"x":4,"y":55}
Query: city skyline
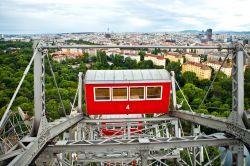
{"x":31,"y":17}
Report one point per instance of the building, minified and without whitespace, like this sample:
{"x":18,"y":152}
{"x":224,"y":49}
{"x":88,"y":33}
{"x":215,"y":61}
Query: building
{"x":72,"y":50}
{"x":209,"y":34}
{"x":113,"y":51}
{"x":59,"y":58}
{"x":91,"y":51}
{"x":130,"y":51}
{"x":174,"y":57}
{"x":62,"y":56}
{"x":192,"y":58}
{"x":216,"y":56}
{"x":227,"y":69}
{"x":132,"y":56}
{"x":201,"y":51}
{"x":156,"y":59}
{"x":202,"y":71}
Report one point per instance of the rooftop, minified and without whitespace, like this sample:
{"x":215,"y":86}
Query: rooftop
{"x":155,"y":56}
{"x":225,"y":65}
{"x":127,"y":76}
{"x":67,"y":53}
{"x":204,"y":67}
{"x":175,"y":54}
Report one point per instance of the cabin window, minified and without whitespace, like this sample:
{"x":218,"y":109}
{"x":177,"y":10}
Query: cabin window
{"x":120,"y":93}
{"x":154,"y":92}
{"x":137,"y":93}
{"x":109,"y":127}
{"x":134,"y":125}
{"x":118,"y":128}
{"x":102,"y":94}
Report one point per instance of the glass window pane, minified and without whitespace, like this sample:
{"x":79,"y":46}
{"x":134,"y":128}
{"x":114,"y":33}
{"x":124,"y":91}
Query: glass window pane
{"x":109,"y":127}
{"x":136,"y":92}
{"x":102,"y":94}
{"x":134,"y":125}
{"x":120,"y":93}
{"x":153,"y":92}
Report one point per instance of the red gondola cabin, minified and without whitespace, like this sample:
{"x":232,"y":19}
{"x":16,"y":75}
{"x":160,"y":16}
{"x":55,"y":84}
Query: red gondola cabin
{"x":127,"y":91}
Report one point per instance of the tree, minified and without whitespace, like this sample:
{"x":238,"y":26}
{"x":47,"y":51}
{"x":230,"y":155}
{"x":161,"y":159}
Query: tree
{"x":189,"y":77}
{"x":148,"y":64}
{"x":174,"y":66}
{"x":222,"y":90}
{"x":212,"y":153}
{"x":21,"y":99}
{"x":156,"y":51}
{"x":196,"y":102}
{"x":102,"y":62}
{"x":247,"y":74}
{"x":201,"y":111}
{"x":27,"y":108}
{"x":204,"y":84}
{"x":167,"y":61}
{"x":226,"y":113}
{"x":53,"y":109}
{"x":118,"y":61}
{"x":192,"y":93}
{"x":142,"y":54}
{"x":221,"y":76}
{"x":130,"y":64}
{"x":184,"y":59}
{"x":85,"y":58}
{"x":220,"y":59}
{"x":101,"y":57}
{"x":214,"y":113}
{"x":82,"y":68}
{"x":93,"y":58}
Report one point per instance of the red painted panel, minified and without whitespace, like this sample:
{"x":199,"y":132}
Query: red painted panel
{"x":118,"y":131}
{"x":119,"y":107}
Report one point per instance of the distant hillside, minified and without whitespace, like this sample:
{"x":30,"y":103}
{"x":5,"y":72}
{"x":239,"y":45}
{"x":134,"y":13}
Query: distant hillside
{"x":190,"y":31}
{"x":219,"y":32}
{"x":234,"y":32}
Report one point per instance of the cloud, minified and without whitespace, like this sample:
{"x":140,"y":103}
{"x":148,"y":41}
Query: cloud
{"x":46,"y":16}
{"x":138,"y":22}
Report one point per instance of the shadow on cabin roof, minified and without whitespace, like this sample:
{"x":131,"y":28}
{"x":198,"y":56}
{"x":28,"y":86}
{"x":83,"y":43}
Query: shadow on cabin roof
{"x":127,"y":76}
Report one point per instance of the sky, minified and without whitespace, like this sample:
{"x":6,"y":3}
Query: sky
{"x":58,"y":16}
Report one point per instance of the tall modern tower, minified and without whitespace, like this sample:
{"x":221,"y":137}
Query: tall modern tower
{"x":209,"y":34}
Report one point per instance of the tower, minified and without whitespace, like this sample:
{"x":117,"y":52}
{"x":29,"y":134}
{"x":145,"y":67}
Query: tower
{"x":108,"y":35}
{"x":209,"y":34}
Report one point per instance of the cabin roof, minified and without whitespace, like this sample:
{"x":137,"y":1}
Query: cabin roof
{"x":127,"y":76}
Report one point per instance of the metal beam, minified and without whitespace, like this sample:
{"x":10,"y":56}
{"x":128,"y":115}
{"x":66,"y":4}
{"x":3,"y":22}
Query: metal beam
{"x":36,"y":144}
{"x":11,"y":154}
{"x":121,"y":157}
{"x":39,"y":89}
{"x":236,"y":116}
{"x":238,"y":89}
{"x":144,"y":157}
{"x":139,"y":46}
{"x":136,"y":145}
{"x":217,"y":123}
{"x":173,"y":90}
{"x":80,"y":85}
{"x":114,"y":120}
